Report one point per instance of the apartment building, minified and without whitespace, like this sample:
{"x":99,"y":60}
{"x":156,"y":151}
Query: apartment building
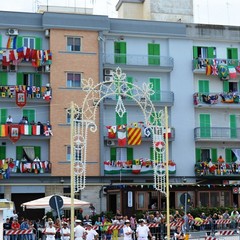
{"x":168,"y":60}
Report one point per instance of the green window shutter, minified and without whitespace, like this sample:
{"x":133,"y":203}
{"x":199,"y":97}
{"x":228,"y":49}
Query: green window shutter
{"x":3,"y":78}
{"x":156,"y":86}
{"x":225,"y":86}
{"x":211,"y":52}
{"x":195,"y":52}
{"x":30,"y":114}
{"x":19,"y":78}
{"x":129,"y":85}
{"x":129,"y":153}
{"x":233,"y":126}
{"x":1,"y":46}
{"x":38,"y":43}
{"x":120,"y":52}
{"x":205,"y":125}
{"x":2,"y":152}
{"x":151,"y":153}
{"x":153,"y":54}
{"x":37,"y":151}
{"x":113,"y":154}
{"x":121,"y":120}
{"x":198,"y":154}
{"x":37,"y":80}
{"x":203,"y":86}
{"x":19,"y":152}
{"x":19,"y":41}
{"x":228,"y":155}
{"x":3,"y":115}
{"x":214,"y":155}
{"x":232,"y":53}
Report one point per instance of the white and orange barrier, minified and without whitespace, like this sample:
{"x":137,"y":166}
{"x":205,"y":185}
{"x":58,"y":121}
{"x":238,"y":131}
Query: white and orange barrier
{"x":18,"y":232}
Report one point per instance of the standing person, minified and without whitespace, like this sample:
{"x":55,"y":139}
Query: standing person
{"x":50,"y":231}
{"x":143,"y":231}
{"x":15,"y":226}
{"x":80,"y":214}
{"x":9,"y":119}
{"x":133,"y":224}
{"x":179,"y":234}
{"x":24,"y":226}
{"x":127,"y":231}
{"x":65,"y":231}
{"x":79,"y":230}
{"x":99,"y":224}
{"x":6,"y":226}
{"x":91,"y":233}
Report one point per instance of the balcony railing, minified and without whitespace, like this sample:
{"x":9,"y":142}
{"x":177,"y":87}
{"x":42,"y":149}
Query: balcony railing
{"x":201,"y":63}
{"x":216,"y":169}
{"x":8,"y":92}
{"x":216,"y":99}
{"x":10,"y":167}
{"x":138,"y":60}
{"x":158,"y":98}
{"x":217,"y":133}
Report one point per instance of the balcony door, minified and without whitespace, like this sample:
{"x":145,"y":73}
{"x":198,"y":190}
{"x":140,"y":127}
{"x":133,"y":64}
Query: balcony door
{"x":233,"y":126}
{"x":153,"y":54}
{"x":120,"y":52}
{"x":156,"y":87}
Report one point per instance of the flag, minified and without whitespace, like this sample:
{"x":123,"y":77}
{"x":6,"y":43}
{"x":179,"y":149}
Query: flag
{"x":134,"y":136}
{"x":232,"y":72}
{"x":14,"y":132}
{"x":223,"y":72}
{"x":122,"y":136}
{"x":208,"y":70}
{"x":214,"y":70}
{"x":147,"y":132}
{"x":26,"y":129}
{"x":3,"y":130}
{"x":36,"y":129}
{"x":238,"y":69}
{"x":112,"y":131}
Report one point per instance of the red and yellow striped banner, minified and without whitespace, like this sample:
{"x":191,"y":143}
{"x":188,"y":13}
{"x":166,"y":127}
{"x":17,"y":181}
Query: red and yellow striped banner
{"x":134,"y":136}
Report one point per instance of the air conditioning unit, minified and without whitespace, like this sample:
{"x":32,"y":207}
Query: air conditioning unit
{"x":12,"y":32}
{"x":108,"y":78}
{"x":110,"y":143}
{"x":47,"y":68}
{"x":47,"y":33}
{"x":108,"y":72}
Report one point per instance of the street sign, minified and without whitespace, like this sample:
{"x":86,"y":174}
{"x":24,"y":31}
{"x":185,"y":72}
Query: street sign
{"x":56,"y":202}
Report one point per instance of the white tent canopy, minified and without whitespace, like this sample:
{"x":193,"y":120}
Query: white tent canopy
{"x":44,"y":203}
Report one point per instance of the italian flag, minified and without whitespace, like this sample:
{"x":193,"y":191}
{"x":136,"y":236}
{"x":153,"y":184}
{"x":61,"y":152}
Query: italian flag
{"x":4,"y":130}
{"x":36,"y":130}
{"x":26,"y":129}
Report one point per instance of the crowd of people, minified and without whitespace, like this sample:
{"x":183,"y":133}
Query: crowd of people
{"x":129,"y":228}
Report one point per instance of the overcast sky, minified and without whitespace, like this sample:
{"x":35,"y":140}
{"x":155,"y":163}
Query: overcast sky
{"x":224,"y":12}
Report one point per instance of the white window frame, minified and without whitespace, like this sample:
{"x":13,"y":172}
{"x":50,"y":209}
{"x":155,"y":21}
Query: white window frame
{"x":69,"y":82}
{"x":74,"y":47}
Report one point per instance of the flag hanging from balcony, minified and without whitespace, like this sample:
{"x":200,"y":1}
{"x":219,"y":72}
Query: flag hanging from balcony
{"x":26,"y":129}
{"x":208,"y":70}
{"x":36,"y":129}
{"x":21,"y":98}
{"x":223,"y":72}
{"x":122,"y":136}
{"x":14,"y":132}
{"x":232,"y":72}
{"x":134,"y":136}
{"x":112,"y":131}
{"x":4,"y":130}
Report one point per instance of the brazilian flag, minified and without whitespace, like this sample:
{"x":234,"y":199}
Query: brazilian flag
{"x":223,"y":72}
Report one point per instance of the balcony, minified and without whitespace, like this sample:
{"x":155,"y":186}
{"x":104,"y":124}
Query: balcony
{"x":162,"y":98}
{"x":220,"y":134}
{"x":199,"y":65}
{"x":206,"y":169}
{"x":110,"y":137}
{"x":10,"y":167}
{"x":138,"y":62}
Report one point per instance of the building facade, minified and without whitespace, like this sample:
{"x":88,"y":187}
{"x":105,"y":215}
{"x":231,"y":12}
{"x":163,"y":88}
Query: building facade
{"x":181,"y":65}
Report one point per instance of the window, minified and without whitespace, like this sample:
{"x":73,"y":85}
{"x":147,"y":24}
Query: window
{"x":2,"y":152}
{"x":29,"y":114}
{"x":205,"y":154}
{"x":204,"y":52}
{"x":231,"y":86}
{"x":153,"y":54}
{"x":68,"y":153}
{"x":3,"y":78}
{"x":3,"y":115}
{"x":214,"y":199}
{"x":73,"y":80}
{"x":77,"y":116}
{"x":144,"y":200}
{"x":29,"y":42}
{"x":78,"y":153}
{"x":121,"y":154}
{"x":205,"y":125}
{"x":29,"y":153}
{"x":232,"y":56}
{"x":120,"y":50}
{"x":203,"y":86}
{"x":233,"y":126}
{"x":156,"y":87}
{"x":230,"y":155}
{"x":73,"y":44}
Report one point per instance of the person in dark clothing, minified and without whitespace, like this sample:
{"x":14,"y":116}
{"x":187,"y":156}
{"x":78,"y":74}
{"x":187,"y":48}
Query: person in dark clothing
{"x":6,"y":226}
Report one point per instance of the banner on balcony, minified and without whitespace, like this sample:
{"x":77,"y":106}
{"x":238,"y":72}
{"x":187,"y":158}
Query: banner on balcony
{"x":134,"y":136}
{"x":21,"y":98}
{"x":14,"y":132}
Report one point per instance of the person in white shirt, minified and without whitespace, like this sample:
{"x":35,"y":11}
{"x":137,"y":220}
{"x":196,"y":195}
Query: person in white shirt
{"x":9,"y":119}
{"x":127,"y":231}
{"x":50,"y":231}
{"x":65,"y":231}
{"x":143,"y":231}
{"x":91,"y":233}
{"x":79,"y":231}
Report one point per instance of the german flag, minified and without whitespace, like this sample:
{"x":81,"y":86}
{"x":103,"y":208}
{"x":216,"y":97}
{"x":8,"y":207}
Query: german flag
{"x":134,"y":136}
{"x":3,"y":130}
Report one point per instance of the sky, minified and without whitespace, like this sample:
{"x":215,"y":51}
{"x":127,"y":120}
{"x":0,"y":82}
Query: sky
{"x":225,"y":12}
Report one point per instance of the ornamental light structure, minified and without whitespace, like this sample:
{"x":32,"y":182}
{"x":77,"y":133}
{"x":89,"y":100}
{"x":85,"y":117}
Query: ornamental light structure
{"x":83,"y":119}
